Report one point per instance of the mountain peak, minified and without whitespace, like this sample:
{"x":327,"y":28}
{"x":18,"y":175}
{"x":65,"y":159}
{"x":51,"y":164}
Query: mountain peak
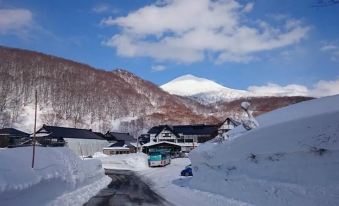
{"x":188,"y":77}
{"x":204,"y":90}
{"x":188,"y":85}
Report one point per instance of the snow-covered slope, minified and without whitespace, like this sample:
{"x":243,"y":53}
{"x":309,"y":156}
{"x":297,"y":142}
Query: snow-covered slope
{"x":291,"y":159}
{"x":206,"y":91}
{"x":58,"y":178}
{"x":203,"y":90}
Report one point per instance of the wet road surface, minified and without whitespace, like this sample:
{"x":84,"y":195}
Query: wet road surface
{"x":126,"y":189}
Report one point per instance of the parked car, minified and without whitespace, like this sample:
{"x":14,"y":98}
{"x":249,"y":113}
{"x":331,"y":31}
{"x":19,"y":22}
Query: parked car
{"x":187,"y":171}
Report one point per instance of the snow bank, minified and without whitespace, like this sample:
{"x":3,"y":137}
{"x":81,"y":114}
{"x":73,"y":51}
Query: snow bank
{"x":86,"y":147}
{"x":132,"y":161}
{"x":59,"y":177}
{"x":291,"y":159}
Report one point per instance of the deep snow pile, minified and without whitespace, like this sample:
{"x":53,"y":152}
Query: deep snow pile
{"x":86,"y":147}
{"x":58,"y":178}
{"x":132,"y":161}
{"x":291,"y":159}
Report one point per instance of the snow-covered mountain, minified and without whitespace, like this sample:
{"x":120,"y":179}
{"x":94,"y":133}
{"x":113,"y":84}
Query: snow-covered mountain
{"x":77,"y":95}
{"x":202,"y":90}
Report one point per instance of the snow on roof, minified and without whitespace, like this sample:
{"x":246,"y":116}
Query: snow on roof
{"x":161,"y":142}
{"x":113,"y":148}
{"x":40,"y":134}
{"x":13,"y":132}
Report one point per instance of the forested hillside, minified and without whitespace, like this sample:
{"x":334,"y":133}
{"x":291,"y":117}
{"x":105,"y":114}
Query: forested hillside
{"x":77,"y":95}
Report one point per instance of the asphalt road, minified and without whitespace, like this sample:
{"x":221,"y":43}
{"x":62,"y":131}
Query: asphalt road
{"x":126,"y":189}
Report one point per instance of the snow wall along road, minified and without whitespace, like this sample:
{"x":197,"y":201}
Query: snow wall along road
{"x":290,"y":159}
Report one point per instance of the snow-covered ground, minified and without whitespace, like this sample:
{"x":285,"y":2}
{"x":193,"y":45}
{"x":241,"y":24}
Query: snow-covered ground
{"x":166,"y":181}
{"x":133,"y":161}
{"x":58,"y":178}
{"x":290,"y":159}
{"x":176,"y":189}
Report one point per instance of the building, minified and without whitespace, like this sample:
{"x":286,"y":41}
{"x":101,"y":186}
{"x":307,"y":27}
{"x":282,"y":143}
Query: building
{"x":10,"y":137}
{"x":186,"y":136}
{"x":119,"y":136}
{"x":119,"y":148}
{"x":83,"y":142}
{"x":143,"y":139}
{"x":228,"y":125}
{"x":120,"y":143}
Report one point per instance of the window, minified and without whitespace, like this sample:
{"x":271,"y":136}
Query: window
{"x":168,"y":140}
{"x":188,"y":140}
{"x":180,"y":140}
{"x":166,"y":134}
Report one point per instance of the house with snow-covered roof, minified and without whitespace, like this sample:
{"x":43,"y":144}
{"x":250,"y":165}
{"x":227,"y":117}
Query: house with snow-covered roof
{"x":186,"y":136}
{"x":119,"y":147}
{"x":12,"y":137}
{"x":227,"y":125}
{"x":83,"y":142}
{"x":120,"y":143}
{"x":119,"y":136}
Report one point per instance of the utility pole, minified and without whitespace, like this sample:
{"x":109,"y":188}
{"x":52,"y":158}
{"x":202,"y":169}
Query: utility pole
{"x":35,"y":116}
{"x":138,"y":144}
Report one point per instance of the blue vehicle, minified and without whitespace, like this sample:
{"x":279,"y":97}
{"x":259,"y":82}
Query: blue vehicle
{"x":187,"y":171}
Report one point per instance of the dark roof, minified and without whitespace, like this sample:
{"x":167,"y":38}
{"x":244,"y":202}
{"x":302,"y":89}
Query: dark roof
{"x":157,"y":129}
{"x":118,"y":144}
{"x":116,"y":136}
{"x":13,"y":132}
{"x":100,"y":134}
{"x":144,"y":138}
{"x":196,"y":129}
{"x":234,"y":122}
{"x":121,"y":143}
{"x":199,"y":129}
{"x":66,"y":132}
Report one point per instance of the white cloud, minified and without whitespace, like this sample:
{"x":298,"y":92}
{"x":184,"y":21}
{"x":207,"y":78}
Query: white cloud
{"x":332,"y":49}
{"x":100,"y":8}
{"x":158,"y":68}
{"x":186,"y":30}
{"x":103,"y":8}
{"x":275,"y":89}
{"x":325,"y":88}
{"x":14,"y":20}
{"x":335,"y":55}
{"x":320,"y":89}
{"x":328,"y":47}
{"x":248,"y":7}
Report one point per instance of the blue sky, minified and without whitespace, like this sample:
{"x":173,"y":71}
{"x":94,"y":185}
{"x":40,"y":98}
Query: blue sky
{"x":236,"y":43}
